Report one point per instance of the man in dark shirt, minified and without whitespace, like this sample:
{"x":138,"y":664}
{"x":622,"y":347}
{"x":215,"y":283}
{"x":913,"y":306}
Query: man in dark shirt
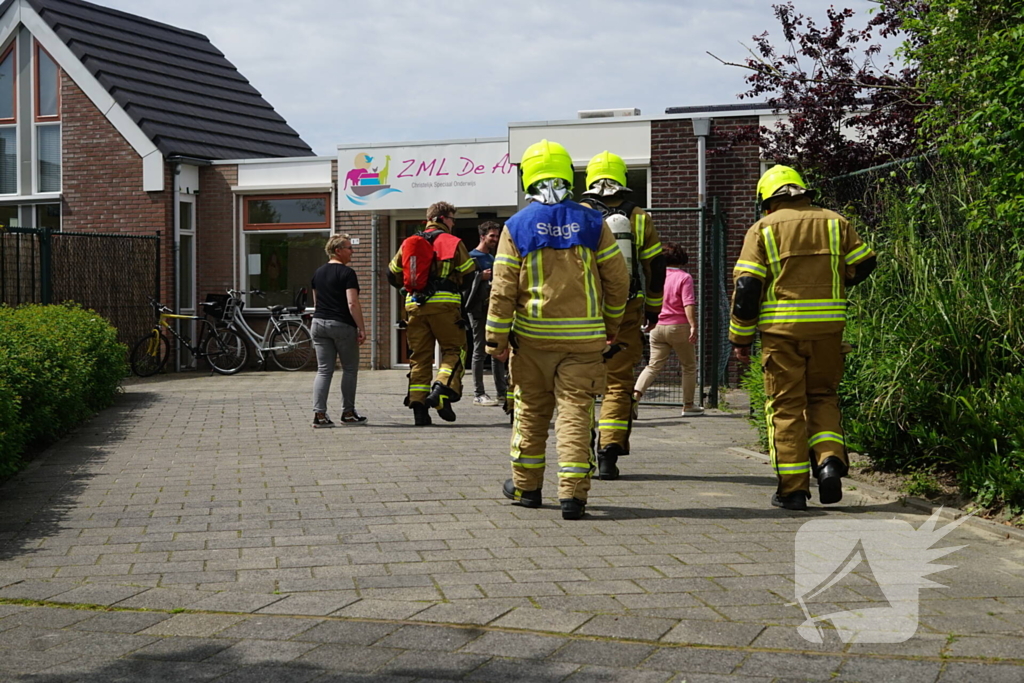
{"x":337,"y":331}
{"x":476,"y":308}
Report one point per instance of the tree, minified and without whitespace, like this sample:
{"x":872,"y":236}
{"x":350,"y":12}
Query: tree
{"x":843,"y":112}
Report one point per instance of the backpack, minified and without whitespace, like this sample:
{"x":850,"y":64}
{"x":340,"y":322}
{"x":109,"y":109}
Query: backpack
{"x":623,"y":232}
{"x":419,"y":251}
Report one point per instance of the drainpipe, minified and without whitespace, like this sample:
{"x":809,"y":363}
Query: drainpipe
{"x":375,"y":269}
{"x":176,"y":252}
{"x":701,"y":128}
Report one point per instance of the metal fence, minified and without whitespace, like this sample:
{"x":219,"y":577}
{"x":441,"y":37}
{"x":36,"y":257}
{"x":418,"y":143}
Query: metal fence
{"x":113,"y":274}
{"x":701,"y":231}
{"x":864,"y":193}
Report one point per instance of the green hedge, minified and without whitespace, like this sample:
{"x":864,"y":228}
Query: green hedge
{"x":58,"y":366}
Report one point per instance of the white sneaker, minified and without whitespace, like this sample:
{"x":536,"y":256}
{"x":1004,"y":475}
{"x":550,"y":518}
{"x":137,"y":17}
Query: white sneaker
{"x":484,"y":400}
{"x":695,"y":411}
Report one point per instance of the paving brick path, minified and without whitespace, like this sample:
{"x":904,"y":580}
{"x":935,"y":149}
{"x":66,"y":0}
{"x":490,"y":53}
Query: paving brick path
{"x":232,"y":542}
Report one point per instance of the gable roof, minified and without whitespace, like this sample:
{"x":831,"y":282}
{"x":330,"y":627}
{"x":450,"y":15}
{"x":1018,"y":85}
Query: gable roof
{"x":175,"y":85}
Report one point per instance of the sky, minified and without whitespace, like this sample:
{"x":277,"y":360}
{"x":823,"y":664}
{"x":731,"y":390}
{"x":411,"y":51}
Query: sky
{"x":344,"y":72}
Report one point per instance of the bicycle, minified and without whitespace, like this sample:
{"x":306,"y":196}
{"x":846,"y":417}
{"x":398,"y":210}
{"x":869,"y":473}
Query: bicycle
{"x":222,"y":348}
{"x":286,"y":340}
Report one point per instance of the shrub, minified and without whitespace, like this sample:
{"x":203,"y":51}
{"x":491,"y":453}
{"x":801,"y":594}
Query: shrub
{"x":936,"y":380}
{"x":59,"y":365}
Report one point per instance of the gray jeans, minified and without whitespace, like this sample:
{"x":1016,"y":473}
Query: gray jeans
{"x":478,"y":319}
{"x":333,"y":339}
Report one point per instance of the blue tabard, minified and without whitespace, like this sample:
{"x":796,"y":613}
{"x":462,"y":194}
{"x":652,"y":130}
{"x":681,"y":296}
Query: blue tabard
{"x":559,"y":226}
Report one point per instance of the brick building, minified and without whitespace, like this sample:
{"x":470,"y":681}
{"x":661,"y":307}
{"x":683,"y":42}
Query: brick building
{"x":108,"y":121}
{"x":121,"y":124}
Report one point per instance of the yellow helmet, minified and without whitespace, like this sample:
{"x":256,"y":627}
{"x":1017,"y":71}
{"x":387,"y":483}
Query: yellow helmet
{"x":543,"y":160}
{"x":775,"y":178}
{"x":606,"y":165}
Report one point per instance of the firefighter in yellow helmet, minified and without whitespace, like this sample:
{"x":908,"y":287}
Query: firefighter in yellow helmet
{"x":790,"y":283}
{"x":638,"y":240}
{"x":435,"y":316}
{"x":559,"y":288}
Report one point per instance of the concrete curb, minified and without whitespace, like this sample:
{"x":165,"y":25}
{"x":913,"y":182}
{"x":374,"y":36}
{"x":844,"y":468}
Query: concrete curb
{"x":947,"y":513}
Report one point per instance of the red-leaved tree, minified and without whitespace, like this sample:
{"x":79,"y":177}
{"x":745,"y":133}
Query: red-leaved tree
{"x":842,"y":110}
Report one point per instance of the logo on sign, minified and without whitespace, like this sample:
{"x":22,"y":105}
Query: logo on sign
{"x":368,"y":179}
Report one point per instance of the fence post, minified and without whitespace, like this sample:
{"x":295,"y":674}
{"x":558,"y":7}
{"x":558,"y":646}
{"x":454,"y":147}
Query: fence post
{"x":46,"y":266}
{"x":716,"y":292}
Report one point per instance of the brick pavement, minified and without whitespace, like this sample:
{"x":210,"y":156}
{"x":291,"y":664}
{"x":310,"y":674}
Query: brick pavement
{"x":230,"y":541}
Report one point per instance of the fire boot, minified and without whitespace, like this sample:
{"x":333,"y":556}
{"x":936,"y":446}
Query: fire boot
{"x":421,"y":414}
{"x":440,"y":397}
{"x":528,"y":499}
{"x":830,"y":480}
{"x":573,"y":508}
{"x":607,"y":457}
{"x":794,"y":501}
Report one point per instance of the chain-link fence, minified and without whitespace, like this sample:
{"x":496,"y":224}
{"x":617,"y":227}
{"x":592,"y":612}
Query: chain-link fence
{"x":113,"y":274}
{"x":863,"y":193}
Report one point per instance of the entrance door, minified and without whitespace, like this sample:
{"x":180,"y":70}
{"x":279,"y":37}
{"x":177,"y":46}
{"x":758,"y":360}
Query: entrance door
{"x":465,"y":228}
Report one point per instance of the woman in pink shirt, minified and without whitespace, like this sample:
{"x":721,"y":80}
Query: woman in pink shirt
{"x":674,"y":331}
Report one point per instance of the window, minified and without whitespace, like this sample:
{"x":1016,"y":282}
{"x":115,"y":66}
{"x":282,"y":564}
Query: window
{"x":186,"y":257}
{"x":286,"y":212}
{"x":47,"y":86}
{"x":8,"y":87}
{"x":48,"y":158}
{"x":281,"y":264}
{"x":9,"y":216}
{"x":48,"y":216}
{"x":9,"y":160}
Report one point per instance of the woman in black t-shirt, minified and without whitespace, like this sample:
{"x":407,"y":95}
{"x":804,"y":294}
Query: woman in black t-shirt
{"x":337,"y":331}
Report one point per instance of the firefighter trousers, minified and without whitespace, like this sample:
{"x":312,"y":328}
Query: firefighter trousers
{"x":801,"y":381}
{"x":543,"y":381}
{"x":616,"y":421}
{"x":445,"y":328}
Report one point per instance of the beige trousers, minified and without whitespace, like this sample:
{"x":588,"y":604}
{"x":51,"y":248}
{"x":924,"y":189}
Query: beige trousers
{"x":616,"y":421}
{"x":423,"y":331}
{"x":544,"y":380}
{"x":664,"y":340}
{"x":801,"y":380}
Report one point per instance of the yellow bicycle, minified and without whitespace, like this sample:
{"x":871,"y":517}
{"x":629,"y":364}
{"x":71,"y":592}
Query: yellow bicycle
{"x":222,"y":348}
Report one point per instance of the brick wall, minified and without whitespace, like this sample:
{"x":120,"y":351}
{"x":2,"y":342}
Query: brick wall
{"x":358,"y":225}
{"x":731,"y":178}
{"x":102,"y":181}
{"x":215,"y":231}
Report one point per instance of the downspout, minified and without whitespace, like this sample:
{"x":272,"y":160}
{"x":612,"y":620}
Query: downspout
{"x":235,"y":256}
{"x":375,"y":269}
{"x":701,"y":128}
{"x":176,"y":252}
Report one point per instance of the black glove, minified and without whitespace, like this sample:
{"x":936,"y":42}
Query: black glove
{"x":651,"y":318}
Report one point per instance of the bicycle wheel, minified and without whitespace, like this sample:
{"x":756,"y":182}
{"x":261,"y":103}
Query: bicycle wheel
{"x":149,"y":354}
{"x":226,"y":351}
{"x":291,"y":347}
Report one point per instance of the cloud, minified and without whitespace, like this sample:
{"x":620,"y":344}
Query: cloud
{"x":349,"y":72}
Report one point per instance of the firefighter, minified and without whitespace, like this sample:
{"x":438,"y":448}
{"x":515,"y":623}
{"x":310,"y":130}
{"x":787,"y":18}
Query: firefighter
{"x":558,"y":292}
{"x":435,"y":316}
{"x":790,"y":283}
{"x":638,"y":240}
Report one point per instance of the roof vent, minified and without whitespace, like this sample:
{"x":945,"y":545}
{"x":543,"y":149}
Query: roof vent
{"x":606,"y":113}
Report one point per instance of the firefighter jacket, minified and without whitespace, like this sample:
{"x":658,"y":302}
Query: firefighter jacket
{"x":648,"y":249}
{"x":559,"y":281}
{"x":793,"y":271}
{"x":448,"y":274}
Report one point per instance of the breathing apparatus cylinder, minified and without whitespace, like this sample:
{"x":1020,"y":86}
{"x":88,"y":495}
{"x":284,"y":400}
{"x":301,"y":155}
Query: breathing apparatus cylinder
{"x":622,"y":230}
